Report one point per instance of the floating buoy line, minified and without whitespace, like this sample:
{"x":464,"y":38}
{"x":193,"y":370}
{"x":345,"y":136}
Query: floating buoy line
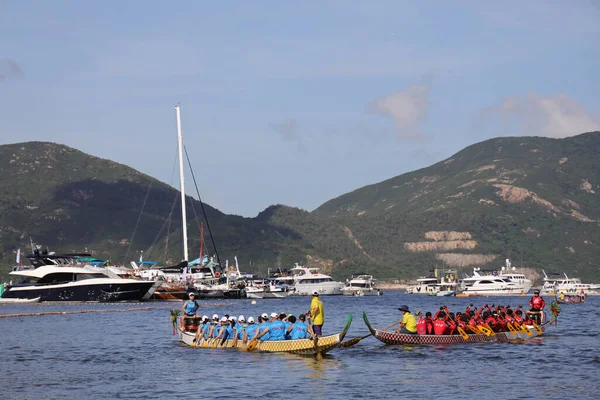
{"x":133,"y":309}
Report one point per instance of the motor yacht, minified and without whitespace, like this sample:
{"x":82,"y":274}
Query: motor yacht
{"x":361,"y":285}
{"x":556,"y":284}
{"x":76,"y":283}
{"x":495,"y":284}
{"x":309,"y":280}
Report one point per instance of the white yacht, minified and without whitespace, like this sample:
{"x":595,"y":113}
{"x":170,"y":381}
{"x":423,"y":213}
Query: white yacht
{"x":495,"y":284}
{"x":557,"y":284}
{"x":310,"y":280}
{"x":361,"y":285}
{"x":76,"y":283}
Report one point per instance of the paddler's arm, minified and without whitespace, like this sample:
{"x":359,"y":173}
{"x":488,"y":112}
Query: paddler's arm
{"x":263,"y":333}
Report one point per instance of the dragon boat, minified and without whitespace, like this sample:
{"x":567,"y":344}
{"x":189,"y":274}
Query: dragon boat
{"x":321,"y":346}
{"x":391,"y":337}
{"x":570,"y":299}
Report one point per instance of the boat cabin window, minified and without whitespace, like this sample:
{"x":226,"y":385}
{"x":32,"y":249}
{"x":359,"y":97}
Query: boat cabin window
{"x":59,"y":277}
{"x":81,"y":277}
{"x":486,"y":282}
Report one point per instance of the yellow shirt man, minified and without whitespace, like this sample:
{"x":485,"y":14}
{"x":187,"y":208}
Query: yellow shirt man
{"x":318,"y":313}
{"x":408,"y":324}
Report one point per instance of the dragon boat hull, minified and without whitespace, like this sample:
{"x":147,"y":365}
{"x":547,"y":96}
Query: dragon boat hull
{"x":301,"y":346}
{"x":570,"y":299}
{"x":388,"y":337}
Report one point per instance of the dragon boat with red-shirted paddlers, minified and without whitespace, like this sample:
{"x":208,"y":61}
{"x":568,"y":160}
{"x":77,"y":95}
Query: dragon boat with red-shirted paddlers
{"x":318,"y":347}
{"x":476,"y":335}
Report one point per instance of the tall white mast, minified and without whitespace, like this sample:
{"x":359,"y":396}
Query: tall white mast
{"x":181,"y":185}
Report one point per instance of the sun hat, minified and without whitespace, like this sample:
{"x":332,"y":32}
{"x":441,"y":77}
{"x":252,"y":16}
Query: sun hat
{"x":204,"y":317}
{"x":215,"y":316}
{"x":403,"y":308}
{"x":316,"y":294}
{"x":264,"y":315}
{"x":232,"y":319}
{"x":250,"y":320}
{"x":223,"y":319}
{"x":241,"y":318}
{"x":274,"y":315}
{"x":191,"y":294}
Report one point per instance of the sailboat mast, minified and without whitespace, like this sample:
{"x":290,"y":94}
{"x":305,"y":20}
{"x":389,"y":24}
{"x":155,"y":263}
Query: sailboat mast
{"x":181,"y":184}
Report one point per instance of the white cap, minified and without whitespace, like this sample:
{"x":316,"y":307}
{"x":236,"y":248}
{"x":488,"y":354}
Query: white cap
{"x":250,"y":320}
{"x":204,"y":317}
{"x":241,"y":318}
{"x":265,"y":315}
{"x":215,"y":316}
{"x":232,"y":319}
{"x":274,"y":315}
{"x":223,"y":319}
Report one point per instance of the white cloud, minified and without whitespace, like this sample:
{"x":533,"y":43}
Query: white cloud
{"x":554,"y":116}
{"x":407,"y":108}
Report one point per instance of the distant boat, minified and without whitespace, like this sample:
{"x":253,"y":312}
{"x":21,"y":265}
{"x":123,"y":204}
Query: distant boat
{"x":361,"y":285}
{"x":557,"y":284}
{"x":490,"y":284}
{"x":310,"y":280}
{"x":443,"y":283}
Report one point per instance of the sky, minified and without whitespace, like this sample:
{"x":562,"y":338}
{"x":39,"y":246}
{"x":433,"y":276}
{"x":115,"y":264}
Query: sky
{"x":294,"y":103}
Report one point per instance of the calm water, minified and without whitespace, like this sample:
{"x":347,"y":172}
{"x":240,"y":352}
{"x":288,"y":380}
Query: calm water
{"x":134,"y":355}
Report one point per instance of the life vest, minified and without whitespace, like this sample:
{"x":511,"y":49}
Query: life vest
{"x":451,"y":328}
{"x":422,"y":326}
{"x":537,"y":303}
{"x":439,"y":327}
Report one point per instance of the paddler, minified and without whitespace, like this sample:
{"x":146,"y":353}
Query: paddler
{"x":275,"y":328}
{"x":300,"y":330}
{"x":250,"y":331}
{"x":408,"y":323}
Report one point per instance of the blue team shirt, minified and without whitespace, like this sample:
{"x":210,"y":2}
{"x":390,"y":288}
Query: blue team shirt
{"x":299,"y":331}
{"x":261,"y":327}
{"x":191,"y":307}
{"x":277,"y":330}
{"x":240,"y":330}
{"x":252,"y":331}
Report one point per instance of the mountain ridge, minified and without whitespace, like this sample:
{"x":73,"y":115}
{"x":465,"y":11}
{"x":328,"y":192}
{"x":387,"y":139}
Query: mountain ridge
{"x":531,"y":197}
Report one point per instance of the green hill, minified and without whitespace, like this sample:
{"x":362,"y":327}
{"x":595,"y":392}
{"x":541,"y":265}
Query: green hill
{"x":521,"y":197}
{"x":528,"y":198}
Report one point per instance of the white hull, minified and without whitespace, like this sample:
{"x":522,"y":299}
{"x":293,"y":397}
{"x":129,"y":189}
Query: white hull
{"x":6,"y":301}
{"x":361,"y":292}
{"x":324,"y":289}
{"x":497,"y":292}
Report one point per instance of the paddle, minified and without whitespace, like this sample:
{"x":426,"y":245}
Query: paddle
{"x":537,"y":328}
{"x":474,"y":329}
{"x":252,"y":345}
{"x":458,"y":328}
{"x":318,"y":356}
{"x":511,"y":328}
{"x":355,"y":340}
{"x":523,"y":329}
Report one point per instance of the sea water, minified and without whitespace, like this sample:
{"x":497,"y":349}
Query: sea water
{"x":134,"y":355}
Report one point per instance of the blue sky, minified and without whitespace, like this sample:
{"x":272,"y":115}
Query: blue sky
{"x":294,"y":103}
